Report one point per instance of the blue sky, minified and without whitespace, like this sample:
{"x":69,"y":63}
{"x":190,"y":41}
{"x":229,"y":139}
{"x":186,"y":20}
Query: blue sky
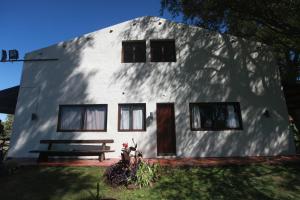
{"x":33,"y":24}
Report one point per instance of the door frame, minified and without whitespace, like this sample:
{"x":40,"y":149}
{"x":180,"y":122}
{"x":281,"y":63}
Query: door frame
{"x":175,"y":139}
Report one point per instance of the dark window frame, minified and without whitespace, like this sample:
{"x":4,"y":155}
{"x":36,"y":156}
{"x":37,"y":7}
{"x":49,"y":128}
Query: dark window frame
{"x":298,"y":74}
{"x":134,"y":60}
{"x":84,"y":106}
{"x":174,"y":58}
{"x":130,"y":117}
{"x":237,"y":104}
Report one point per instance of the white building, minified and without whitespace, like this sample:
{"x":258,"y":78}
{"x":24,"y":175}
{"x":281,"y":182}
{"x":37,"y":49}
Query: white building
{"x":176,"y":89}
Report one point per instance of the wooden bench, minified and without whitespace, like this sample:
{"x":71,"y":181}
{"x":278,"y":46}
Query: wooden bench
{"x":100,"y":151}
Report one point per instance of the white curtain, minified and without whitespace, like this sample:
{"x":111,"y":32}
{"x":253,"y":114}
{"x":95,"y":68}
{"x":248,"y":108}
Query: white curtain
{"x":124,"y":118}
{"x":137,"y":118}
{"x":95,"y":118}
{"x":232,"y":120}
{"x":70,"y":118}
{"x":196,"y":117}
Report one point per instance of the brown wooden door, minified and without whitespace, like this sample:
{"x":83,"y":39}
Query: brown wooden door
{"x":166,"y":141}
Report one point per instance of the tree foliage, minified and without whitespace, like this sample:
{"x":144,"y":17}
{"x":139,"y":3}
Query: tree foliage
{"x":8,"y":123}
{"x":273,"y":22}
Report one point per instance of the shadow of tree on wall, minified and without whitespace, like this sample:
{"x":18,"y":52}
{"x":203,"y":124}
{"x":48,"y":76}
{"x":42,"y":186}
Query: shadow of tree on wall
{"x":46,"y":85}
{"x":211,"y":68}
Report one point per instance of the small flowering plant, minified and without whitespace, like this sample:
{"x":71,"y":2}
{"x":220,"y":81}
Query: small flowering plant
{"x":126,"y":152}
{"x":132,"y":170}
{"x":125,"y":145}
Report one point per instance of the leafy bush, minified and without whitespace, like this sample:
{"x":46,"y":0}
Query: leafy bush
{"x":140,"y":174}
{"x":293,"y":129}
{"x":118,"y":174}
{"x":146,"y":174}
{"x":131,"y":170}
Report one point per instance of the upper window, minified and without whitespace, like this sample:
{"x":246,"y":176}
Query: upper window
{"x":134,"y":51}
{"x":215,"y":116}
{"x":132,"y":117}
{"x":82,"y":117}
{"x":163,"y":51}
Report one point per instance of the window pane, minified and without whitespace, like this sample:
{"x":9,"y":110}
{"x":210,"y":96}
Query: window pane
{"x":124,"y":117}
{"x":207,"y":113}
{"x":232,"y":120}
{"x":134,"y":51}
{"x":220,"y":115}
{"x":127,"y":53}
{"x":137,"y":119}
{"x":196,"y":117}
{"x":163,"y":51}
{"x":70,"y":118}
{"x":298,"y":75}
{"x":140,"y":52}
{"x":215,"y":116}
{"x":156,"y":52}
{"x":169,"y":51}
{"x":95,"y":118}
{"x":132,"y":117}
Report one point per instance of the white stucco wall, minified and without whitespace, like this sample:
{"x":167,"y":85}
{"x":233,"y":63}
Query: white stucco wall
{"x":210,"y":67}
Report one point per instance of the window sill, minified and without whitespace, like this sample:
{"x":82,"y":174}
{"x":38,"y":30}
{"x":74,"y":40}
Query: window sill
{"x":142,"y":130}
{"x":81,"y":130}
{"x":227,"y":129}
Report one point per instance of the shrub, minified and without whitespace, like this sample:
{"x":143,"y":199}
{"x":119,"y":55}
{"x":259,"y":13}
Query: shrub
{"x":146,"y":174}
{"x":293,"y":129}
{"x":140,"y":174}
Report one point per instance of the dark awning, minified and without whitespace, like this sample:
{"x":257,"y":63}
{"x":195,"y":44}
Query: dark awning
{"x":8,"y":100}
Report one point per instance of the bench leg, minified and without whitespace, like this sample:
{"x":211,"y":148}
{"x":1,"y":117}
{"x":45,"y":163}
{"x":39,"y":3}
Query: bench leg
{"x":43,"y":157}
{"x":101,"y":157}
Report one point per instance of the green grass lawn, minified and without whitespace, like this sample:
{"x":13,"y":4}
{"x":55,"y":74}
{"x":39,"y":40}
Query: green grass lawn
{"x":238,"y":182}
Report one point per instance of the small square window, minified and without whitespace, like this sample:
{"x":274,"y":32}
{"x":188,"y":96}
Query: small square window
{"x":163,"y":51}
{"x":215,"y":116}
{"x":134,"y":51}
{"x":132,"y":117}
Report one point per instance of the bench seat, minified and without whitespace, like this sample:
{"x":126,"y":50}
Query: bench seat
{"x":72,"y":153}
{"x":43,"y":154}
